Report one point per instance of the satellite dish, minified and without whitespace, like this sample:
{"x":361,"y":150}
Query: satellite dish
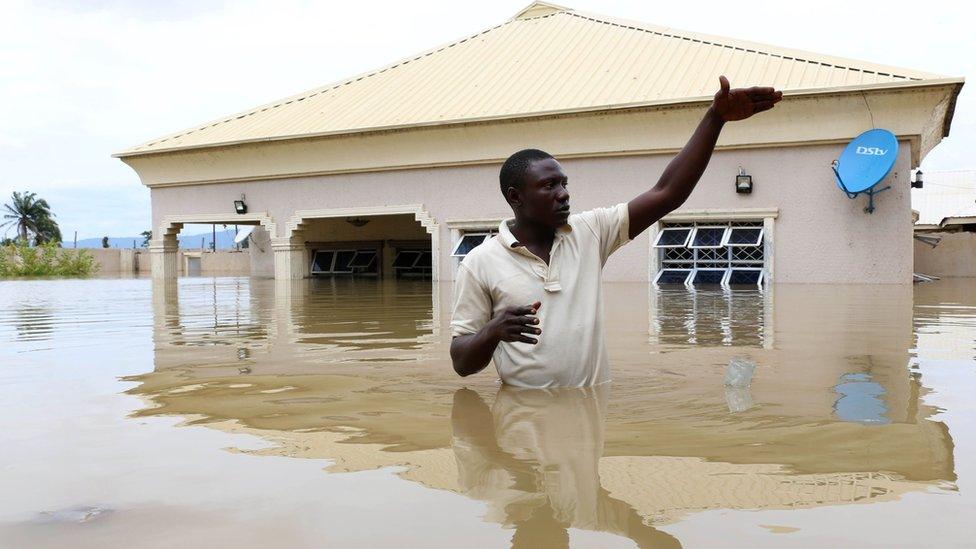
{"x":865,"y":162}
{"x":243,"y":234}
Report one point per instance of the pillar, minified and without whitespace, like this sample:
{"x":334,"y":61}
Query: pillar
{"x":162,"y":257}
{"x":289,"y":260}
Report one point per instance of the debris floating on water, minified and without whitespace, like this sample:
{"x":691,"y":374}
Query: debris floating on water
{"x":739,"y":373}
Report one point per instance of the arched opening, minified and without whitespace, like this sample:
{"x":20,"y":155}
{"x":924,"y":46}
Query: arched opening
{"x":386,"y":243}
{"x":172,"y":258}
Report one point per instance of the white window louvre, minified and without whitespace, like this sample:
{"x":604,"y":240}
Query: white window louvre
{"x":322,"y":262}
{"x":672,"y":276}
{"x":708,"y":236}
{"x":708,"y":276}
{"x":673,"y":237}
{"x":468,"y":242}
{"x":743,"y":237}
{"x":743,"y":276}
{"x":406,"y":259}
{"x":364,"y":259}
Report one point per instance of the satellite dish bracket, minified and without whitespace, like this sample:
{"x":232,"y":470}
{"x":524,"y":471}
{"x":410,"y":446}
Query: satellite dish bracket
{"x":870,"y":192}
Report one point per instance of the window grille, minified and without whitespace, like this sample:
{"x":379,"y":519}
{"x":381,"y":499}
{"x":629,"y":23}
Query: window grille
{"x":727,"y":254}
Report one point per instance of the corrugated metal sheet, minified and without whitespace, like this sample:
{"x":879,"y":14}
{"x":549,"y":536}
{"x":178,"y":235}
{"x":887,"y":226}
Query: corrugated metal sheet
{"x":544,"y":60}
{"x":945,"y":194}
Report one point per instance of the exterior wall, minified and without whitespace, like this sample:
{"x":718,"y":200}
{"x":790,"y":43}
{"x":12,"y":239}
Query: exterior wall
{"x":225,"y":262}
{"x":954,"y":256}
{"x":821,"y":236}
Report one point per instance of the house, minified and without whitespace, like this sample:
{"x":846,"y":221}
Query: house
{"x":394,"y":173}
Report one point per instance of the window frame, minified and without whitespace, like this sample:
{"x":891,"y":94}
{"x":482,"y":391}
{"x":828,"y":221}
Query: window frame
{"x":696,"y":270}
{"x":660,"y":235}
{"x":691,"y":242}
{"x":728,"y":237}
{"x":759,"y":283}
{"x":661,"y":272}
{"x":487,"y":233}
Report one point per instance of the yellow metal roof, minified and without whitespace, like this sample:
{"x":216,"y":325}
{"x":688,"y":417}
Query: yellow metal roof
{"x":545,"y":60}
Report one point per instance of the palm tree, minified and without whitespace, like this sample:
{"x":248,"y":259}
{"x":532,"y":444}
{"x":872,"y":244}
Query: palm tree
{"x":31,"y":216}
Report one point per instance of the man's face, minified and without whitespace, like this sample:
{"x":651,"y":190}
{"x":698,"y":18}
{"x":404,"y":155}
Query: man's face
{"x":543,"y":197}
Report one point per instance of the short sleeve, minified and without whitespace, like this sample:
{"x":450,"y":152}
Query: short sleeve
{"x":611,"y":226}
{"x":472,"y":304}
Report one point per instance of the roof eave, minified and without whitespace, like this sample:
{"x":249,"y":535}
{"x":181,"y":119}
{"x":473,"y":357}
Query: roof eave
{"x":688,"y":101}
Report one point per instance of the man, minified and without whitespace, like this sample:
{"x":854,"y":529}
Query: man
{"x":531,"y":298}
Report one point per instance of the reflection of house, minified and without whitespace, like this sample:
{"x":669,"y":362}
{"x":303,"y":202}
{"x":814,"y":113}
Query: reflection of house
{"x":377,"y":391}
{"x":406,"y":157}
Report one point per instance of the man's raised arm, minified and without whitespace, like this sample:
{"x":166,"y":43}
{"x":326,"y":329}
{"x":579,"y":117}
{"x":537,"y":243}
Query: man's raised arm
{"x":684,"y":171}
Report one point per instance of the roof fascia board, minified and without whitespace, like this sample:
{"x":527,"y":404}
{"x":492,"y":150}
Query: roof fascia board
{"x":839,"y":90}
{"x":914,"y":118}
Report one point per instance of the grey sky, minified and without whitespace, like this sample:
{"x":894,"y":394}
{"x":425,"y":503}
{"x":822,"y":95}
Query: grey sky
{"x":81,"y":80}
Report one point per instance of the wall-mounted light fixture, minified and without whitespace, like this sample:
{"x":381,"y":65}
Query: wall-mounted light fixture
{"x":240,"y":206}
{"x":356,"y":221}
{"x":743,"y":182}
{"x":917,"y":182}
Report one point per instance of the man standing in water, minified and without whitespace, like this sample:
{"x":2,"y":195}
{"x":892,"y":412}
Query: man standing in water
{"x":542,"y":273}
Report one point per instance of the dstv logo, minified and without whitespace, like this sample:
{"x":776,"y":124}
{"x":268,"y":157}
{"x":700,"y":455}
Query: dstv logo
{"x":871,"y":151}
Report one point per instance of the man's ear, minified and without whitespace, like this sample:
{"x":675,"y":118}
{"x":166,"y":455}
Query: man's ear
{"x":514,"y":197}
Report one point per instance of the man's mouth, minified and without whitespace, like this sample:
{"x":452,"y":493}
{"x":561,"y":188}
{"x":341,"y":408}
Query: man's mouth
{"x":563,"y":210}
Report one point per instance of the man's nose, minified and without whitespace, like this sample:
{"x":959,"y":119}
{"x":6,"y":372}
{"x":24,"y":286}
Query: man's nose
{"x":563,"y":195}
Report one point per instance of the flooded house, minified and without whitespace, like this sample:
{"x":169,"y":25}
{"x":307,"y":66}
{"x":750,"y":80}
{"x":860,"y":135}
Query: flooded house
{"x":394,"y":173}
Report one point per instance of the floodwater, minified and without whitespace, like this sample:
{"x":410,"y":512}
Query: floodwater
{"x":234,"y":412}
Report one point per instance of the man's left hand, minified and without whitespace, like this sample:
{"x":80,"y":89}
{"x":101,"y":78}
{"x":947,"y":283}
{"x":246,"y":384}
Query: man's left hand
{"x":741,"y":103}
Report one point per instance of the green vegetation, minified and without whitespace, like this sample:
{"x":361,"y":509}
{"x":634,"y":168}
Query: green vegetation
{"x":32,"y":218}
{"x":48,"y":259}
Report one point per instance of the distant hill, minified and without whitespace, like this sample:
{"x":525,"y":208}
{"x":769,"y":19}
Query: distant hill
{"x":225,"y":240}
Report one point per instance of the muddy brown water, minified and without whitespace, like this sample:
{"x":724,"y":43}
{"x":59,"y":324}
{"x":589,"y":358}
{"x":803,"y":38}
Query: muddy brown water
{"x":324,"y":413}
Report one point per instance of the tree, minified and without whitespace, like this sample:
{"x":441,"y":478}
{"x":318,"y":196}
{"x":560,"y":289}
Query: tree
{"x":31,"y":217}
{"x":147,"y":236}
{"x":47,"y":231}
{"x":105,"y":243}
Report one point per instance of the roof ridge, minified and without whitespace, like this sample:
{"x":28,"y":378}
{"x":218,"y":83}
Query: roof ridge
{"x":691,"y":36}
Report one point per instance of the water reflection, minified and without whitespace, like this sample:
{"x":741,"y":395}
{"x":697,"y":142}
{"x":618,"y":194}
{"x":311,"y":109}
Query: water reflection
{"x":682,"y":316}
{"x":357,"y":372}
{"x":534,"y":458}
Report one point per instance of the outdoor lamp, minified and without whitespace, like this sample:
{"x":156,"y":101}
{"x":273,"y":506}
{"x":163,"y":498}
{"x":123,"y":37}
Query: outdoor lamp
{"x":917,"y":183}
{"x":239,"y":206}
{"x":743,"y":182}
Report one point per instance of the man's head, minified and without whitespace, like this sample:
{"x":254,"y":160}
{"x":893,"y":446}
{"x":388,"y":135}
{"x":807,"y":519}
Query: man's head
{"x":534,"y":185}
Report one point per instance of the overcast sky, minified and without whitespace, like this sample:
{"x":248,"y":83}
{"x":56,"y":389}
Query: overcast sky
{"x":82,"y":79}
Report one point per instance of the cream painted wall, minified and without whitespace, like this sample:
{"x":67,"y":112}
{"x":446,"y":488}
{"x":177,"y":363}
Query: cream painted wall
{"x":954,"y":256}
{"x":821,"y":236}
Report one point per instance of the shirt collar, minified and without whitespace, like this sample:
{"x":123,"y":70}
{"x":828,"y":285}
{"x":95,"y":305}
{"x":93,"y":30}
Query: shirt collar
{"x":508,"y":239}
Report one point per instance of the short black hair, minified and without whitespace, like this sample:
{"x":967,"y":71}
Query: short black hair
{"x":513,"y":170}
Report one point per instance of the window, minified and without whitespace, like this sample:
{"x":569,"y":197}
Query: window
{"x":344,"y":262}
{"x":364,"y":259}
{"x":708,"y":276}
{"x":673,"y":237}
{"x":471,"y":240}
{"x":744,"y":277}
{"x":672,"y":276}
{"x":727,"y":254}
{"x":743,"y":236}
{"x":413,"y":263}
{"x":708,"y":237}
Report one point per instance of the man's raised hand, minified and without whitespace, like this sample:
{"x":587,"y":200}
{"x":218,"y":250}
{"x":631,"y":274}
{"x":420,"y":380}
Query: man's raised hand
{"x":742,"y":103}
{"x":515,"y":322}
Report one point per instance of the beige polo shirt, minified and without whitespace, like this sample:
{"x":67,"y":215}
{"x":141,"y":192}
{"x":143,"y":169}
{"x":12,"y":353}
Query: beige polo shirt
{"x":501,"y":273}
